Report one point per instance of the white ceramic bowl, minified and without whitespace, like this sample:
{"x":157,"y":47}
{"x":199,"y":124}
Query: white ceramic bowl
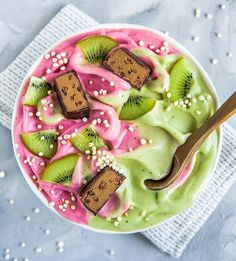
{"x":178,"y":47}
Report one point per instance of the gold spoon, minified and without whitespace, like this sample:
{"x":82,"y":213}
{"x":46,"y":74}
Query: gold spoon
{"x":185,"y":152}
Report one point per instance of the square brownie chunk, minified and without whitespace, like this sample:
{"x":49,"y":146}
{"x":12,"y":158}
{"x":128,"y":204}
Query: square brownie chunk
{"x":128,"y":66}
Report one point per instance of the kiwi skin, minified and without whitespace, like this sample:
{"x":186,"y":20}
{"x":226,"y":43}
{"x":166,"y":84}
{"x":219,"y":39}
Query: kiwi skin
{"x":135,"y":107}
{"x":96,"y":47}
{"x":182,"y":78}
{"x":60,"y":171}
{"x":35,"y":144}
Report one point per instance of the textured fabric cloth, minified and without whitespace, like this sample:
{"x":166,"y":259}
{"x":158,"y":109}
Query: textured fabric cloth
{"x":173,"y":236}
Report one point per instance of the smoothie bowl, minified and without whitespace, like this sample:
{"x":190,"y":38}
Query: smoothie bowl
{"x":104,"y":110}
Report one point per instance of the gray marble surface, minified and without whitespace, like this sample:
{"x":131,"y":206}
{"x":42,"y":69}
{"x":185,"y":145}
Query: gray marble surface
{"x":20,"y":21}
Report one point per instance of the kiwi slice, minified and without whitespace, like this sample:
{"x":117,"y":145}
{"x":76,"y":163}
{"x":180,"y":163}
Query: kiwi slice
{"x":135,"y":107}
{"x":55,"y":118}
{"x":87,"y":139}
{"x":41,"y":143}
{"x":95,"y":48}
{"x":60,"y":171}
{"x":37,"y":90}
{"x":182,"y":78}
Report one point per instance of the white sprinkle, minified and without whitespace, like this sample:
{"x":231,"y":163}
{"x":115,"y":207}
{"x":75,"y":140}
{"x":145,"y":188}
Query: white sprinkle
{"x":38,"y":249}
{"x":65,"y":60}
{"x":48,"y":71}
{"x":43,"y":101}
{"x":90,"y":82}
{"x":30,"y":114}
{"x":38,"y":113}
{"x":208,"y":97}
{"x":151,"y":46}
{"x":51,"y":146}
{"x":165,"y":43}
{"x":130,"y":149}
{"x":197,"y":12}
{"x":22,"y":244}
{"x":150,"y":141}
{"x":72,"y":207}
{"x":166,"y":33}
{"x":53,"y":53}
{"x":186,"y":101}
{"x":209,"y":16}
{"x":112,"y":252}
{"x":52,"y":204}
{"x":60,"y":207}
{"x":47,"y":56}
{"x":198,"y":112}
{"x":39,"y":126}
{"x":73,"y":198}
{"x":60,"y":244}
{"x":230,"y":55}
{"x":55,"y":60}
{"x":110,"y":112}
{"x":87,"y":152}
{"x":194,"y":100}
{"x":163,"y":48}
{"x":95,"y":93}
{"x":15,"y":259}
{"x":157,"y":51}
{"x":103,"y":80}
{"x":201,"y":98}
{"x":60,"y":127}
{"x":143,"y":141}
{"x":61,"y":62}
{"x":195,"y":39}
{"x":12,"y":201}
{"x":7,"y":250}
{"x":214,"y":61}
{"x":102,"y":112}
{"x":141,"y":43}
{"x":168,"y":94}
{"x":94,"y":122}
{"x":84,"y":119}
{"x":131,"y":129}
{"x":55,"y":65}
{"x":2,"y":174}
{"x":116,"y":223}
{"x":7,"y":256}
{"x":47,"y":231}
{"x":176,"y":103}
{"x":42,"y":138}
{"x":27,"y":218}
{"x":222,"y":6}
{"x":60,"y":249}
{"x":189,"y":95}
{"x":36,"y":210}
{"x":42,"y":164}
{"x":219,"y":35}
{"x":119,"y":218}
{"x":105,"y":121}
{"x":146,"y":219}
{"x":112,"y":83}
{"x":62,"y":68}
{"x":58,"y":56}
{"x":143,"y":213}
{"x":63,"y":54}
{"x":26,"y":259}
{"x":40,"y":154}
{"x":63,"y":142}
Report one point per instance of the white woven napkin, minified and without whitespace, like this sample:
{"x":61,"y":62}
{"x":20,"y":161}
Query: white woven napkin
{"x":173,"y":236}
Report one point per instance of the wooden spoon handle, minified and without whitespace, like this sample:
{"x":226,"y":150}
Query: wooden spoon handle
{"x":194,"y":141}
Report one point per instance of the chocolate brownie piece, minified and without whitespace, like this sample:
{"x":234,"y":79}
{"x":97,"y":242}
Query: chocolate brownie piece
{"x":71,"y":96}
{"x":101,"y":187}
{"x":128,"y":66}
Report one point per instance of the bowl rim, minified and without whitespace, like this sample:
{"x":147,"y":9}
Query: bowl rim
{"x":178,"y":46}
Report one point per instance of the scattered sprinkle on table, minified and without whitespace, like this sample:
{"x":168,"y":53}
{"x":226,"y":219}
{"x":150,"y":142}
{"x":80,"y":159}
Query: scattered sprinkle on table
{"x":47,"y":231}
{"x":38,"y":249}
{"x":111,"y":252}
{"x":214,"y":61}
{"x":60,"y":244}
{"x":11,"y":201}
{"x":209,"y":16}
{"x":27,"y":218}
{"x":36,"y":210}
{"x":196,"y":38}
{"x":2,"y":174}
{"x":23,"y":244}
